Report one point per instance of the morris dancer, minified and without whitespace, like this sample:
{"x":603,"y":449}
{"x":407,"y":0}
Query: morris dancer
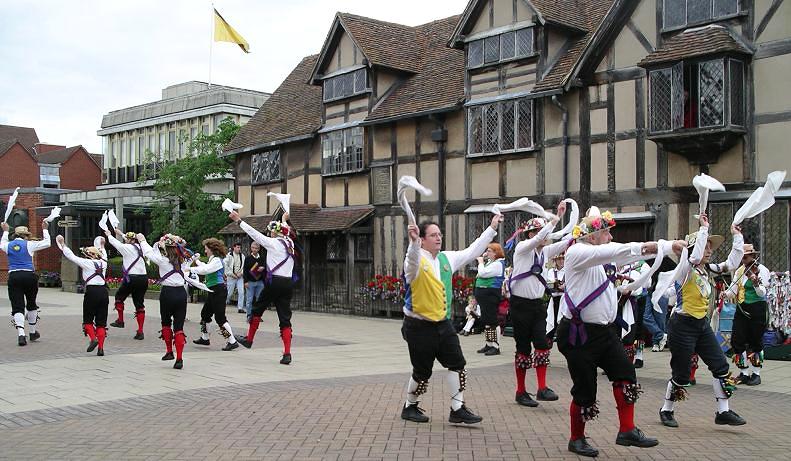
{"x":633,"y":342}
{"x":427,"y":330}
{"x":279,"y":281}
{"x":97,"y":299}
{"x":750,"y":321}
{"x":22,"y":278}
{"x":169,"y":253}
{"x":214,"y":270}
{"x":588,"y":336}
{"x":555,"y":277}
{"x":488,"y":294}
{"x":690,"y":331}
{"x":134,"y":280}
{"x":528,"y":308}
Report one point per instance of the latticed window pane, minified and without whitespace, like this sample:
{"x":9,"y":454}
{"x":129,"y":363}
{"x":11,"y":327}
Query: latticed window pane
{"x":507,"y":45}
{"x":475,"y":53}
{"x":525,"y":122}
{"x":348,"y":84}
{"x":677,"y":109}
{"x":720,"y":219}
{"x":475,"y":130}
{"x":337,"y":90}
{"x":476,"y":223}
{"x":661,"y":95}
{"x":737,"y":92}
{"x":698,"y":10}
{"x":348,"y":150}
{"x":774,"y":249}
{"x":711,"y":81}
{"x":491,"y":49}
{"x":360,"y":80}
{"x":265,"y":167}
{"x":491,"y":128}
{"x":328,"y":89}
{"x":335,"y":247}
{"x":507,"y":142}
{"x":725,"y":7}
{"x":524,"y":42}
{"x":357,"y":147}
{"x":675,"y":13}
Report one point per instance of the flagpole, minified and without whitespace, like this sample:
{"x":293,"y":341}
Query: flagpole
{"x":211,"y":40}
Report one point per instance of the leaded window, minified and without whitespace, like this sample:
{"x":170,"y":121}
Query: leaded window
{"x":712,"y":93}
{"x":524,"y":42}
{"x":509,"y":45}
{"x":265,"y":167}
{"x":504,"y":126}
{"x":737,"y":92}
{"x":678,"y":13}
{"x":342,"y":151}
{"x":475,"y":53}
{"x":491,"y":52}
{"x":345,"y":85}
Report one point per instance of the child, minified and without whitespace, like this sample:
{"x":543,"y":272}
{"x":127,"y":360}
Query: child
{"x":473,"y":311}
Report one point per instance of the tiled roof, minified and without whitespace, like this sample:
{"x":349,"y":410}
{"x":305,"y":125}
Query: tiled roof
{"x":696,"y":42}
{"x":567,"y":13}
{"x":6,"y":144}
{"x":293,"y":110}
{"x":57,"y":156}
{"x":26,"y":136}
{"x":439,"y":82}
{"x":257,"y":221}
{"x":313,"y":218}
{"x":385,"y":44}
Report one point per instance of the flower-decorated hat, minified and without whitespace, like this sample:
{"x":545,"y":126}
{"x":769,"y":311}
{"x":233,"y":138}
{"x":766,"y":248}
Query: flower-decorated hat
{"x":172,"y":240}
{"x":594,"y":221}
{"x":131,"y":236}
{"x":534,"y":224}
{"x":278,"y":227}
{"x":91,"y":252}
{"x":714,"y":239}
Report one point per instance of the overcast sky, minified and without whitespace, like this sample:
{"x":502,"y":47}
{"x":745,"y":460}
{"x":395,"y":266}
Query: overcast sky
{"x":64,"y":64}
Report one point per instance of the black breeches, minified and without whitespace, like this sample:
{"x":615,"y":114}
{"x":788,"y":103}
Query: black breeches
{"x":173,"y":307}
{"x":137,"y":287}
{"x":688,"y":335}
{"x":489,"y":300}
{"x":431,"y":340}
{"x":215,"y":305}
{"x":277,"y":292}
{"x":22,"y":291}
{"x":529,"y":319}
{"x":95,"y":304}
{"x":749,"y":325}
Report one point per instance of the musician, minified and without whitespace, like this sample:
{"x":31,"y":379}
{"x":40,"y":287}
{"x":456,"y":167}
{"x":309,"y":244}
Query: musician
{"x":749,"y":289}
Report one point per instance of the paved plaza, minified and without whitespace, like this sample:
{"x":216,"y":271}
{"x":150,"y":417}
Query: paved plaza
{"x":339,"y":399}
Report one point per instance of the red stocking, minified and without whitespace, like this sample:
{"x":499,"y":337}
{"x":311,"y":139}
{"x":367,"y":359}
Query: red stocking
{"x":167,"y":336}
{"x":119,"y":306}
{"x":520,"y":379}
{"x":140,"y":315}
{"x":254,"y":322}
{"x":285,"y":333}
{"x":577,"y":423}
{"x":90,"y":331}
{"x":101,"y":333}
{"x":625,"y":409}
{"x":179,"y":340}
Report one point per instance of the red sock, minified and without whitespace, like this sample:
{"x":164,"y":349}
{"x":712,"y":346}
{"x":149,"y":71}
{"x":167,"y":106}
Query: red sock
{"x":89,"y":330}
{"x":180,"y":339}
{"x":254,"y":322}
{"x":167,"y":336}
{"x":541,"y":376}
{"x":520,"y":379}
{"x":101,"y":333}
{"x":625,"y":409}
{"x":140,"y":315}
{"x":692,"y":374}
{"x":119,"y":306}
{"x":285,"y":333}
{"x":577,"y":423}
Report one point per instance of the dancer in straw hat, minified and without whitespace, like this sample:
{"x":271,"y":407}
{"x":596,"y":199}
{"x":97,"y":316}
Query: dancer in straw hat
{"x":134,"y":278}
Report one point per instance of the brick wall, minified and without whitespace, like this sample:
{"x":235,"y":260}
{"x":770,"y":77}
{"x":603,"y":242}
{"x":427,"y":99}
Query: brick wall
{"x":18,"y":169}
{"x":44,"y":260}
{"x":80,"y":172}
{"x":42,"y":148}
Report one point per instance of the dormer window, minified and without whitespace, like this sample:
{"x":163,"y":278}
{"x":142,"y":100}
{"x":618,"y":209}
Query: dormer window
{"x":507,"y":46}
{"x":345,"y":85}
{"x":684,"y":13}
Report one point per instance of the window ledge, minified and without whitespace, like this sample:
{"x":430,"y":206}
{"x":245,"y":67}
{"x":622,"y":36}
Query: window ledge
{"x":525,"y":150}
{"x":361,"y":93}
{"x":699,"y":145}
{"x":691,"y":25}
{"x":342,"y":173}
{"x":263,"y":183}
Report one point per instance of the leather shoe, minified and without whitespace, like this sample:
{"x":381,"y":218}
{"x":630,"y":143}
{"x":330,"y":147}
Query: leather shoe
{"x":753,"y":380}
{"x":635,"y":438}
{"x":22,"y":341}
{"x":138,"y":336}
{"x":117,"y":324}
{"x":414,"y":413}
{"x":668,"y":419}
{"x":492,"y":351}
{"x":230,"y":346}
{"x":638,"y":363}
{"x":583,"y":448}
{"x":484,"y":349}
{"x":730,"y":418}
{"x":100,"y":352}
{"x":463,"y":415}
{"x":286,"y":359}
{"x":201,"y":342}
{"x":168,"y":356}
{"x":546,"y":394}
{"x":35,"y":336}
{"x":92,"y":345}
{"x":178,"y":365}
{"x":244,"y":342}
{"x":524,"y":399}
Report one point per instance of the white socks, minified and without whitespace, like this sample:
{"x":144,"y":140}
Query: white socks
{"x":232,"y":338}
{"x":32,"y":319}
{"x":411,"y":397}
{"x":754,"y":370}
{"x":669,"y":404}
{"x":719,"y":394}
{"x":205,"y":335}
{"x":19,"y":323}
{"x":468,"y":325}
{"x":639,"y":354}
{"x":456,"y":394}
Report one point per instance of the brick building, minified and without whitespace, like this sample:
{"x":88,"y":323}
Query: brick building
{"x":28,"y":200}
{"x":74,"y":166}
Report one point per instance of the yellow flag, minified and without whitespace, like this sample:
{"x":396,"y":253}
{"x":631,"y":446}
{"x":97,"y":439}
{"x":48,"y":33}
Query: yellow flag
{"x":223,"y":32}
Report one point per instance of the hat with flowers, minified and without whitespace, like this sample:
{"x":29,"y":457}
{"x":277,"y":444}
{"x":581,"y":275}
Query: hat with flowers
{"x":594,"y":221}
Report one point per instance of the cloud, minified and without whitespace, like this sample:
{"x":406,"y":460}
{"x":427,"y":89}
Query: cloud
{"x":69,"y":63}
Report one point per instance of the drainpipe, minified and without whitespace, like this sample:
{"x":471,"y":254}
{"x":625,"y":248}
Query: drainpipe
{"x":565,"y":120}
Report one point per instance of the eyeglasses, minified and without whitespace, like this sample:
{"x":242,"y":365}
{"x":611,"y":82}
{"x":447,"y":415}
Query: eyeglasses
{"x":436,"y":234}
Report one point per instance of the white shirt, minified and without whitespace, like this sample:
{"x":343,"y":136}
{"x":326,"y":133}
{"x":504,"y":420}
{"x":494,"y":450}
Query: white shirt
{"x":153,"y":254}
{"x":495,"y":268}
{"x":213,"y":265}
{"x":763,"y":274}
{"x":88,"y":267}
{"x":552,"y":276}
{"x":129,"y":253}
{"x":275,"y":251}
{"x":633,"y":271}
{"x":525,"y":254}
{"x":456,"y":259}
{"x":585,"y":273}
{"x":32,"y":245}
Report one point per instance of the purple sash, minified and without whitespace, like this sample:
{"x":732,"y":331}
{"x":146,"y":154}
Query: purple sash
{"x":126,"y":270}
{"x":172,"y":271}
{"x":535,"y":271}
{"x":97,"y":273}
{"x":271,"y":273}
{"x":577,"y":325}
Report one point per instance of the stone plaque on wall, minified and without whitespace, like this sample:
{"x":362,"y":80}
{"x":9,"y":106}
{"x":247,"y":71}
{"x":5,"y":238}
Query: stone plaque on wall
{"x":382,"y":185}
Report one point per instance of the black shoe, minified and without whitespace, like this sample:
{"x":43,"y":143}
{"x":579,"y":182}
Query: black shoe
{"x":667,"y":418}
{"x":742,"y":379}
{"x":117,"y":324}
{"x":730,"y":418}
{"x":168,"y":356}
{"x":35,"y":336}
{"x":100,"y":352}
{"x":414,"y":413}
{"x":583,"y":448}
{"x":22,"y":341}
{"x":492,"y":351}
{"x":524,"y":399}
{"x":286,"y":359}
{"x":243,"y":341}
{"x":753,"y":380}
{"x":638,"y":363}
{"x":635,"y":438}
{"x":92,"y":345}
{"x":230,"y":346}
{"x":484,"y":349}
{"x":139,"y":335}
{"x":692,"y":382}
{"x":546,"y":394}
{"x":463,"y":415}
{"x":201,"y":342}
{"x":241,"y":311}
{"x":178,"y":365}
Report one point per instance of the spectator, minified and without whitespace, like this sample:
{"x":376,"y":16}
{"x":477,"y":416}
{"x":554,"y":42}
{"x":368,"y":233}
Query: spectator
{"x":254,"y":270}
{"x":234,"y":271}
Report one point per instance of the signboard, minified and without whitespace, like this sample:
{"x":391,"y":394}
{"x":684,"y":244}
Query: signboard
{"x":68,"y":223}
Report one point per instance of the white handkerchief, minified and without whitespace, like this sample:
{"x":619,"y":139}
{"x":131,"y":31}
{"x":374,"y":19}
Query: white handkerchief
{"x":284,"y":199}
{"x":53,"y":215}
{"x":761,"y":199}
{"x":10,"y":206}
{"x":404,"y":184}
{"x":573,"y":219}
{"x":103,"y":223}
{"x":522,"y":204}
{"x":230,"y":206}
{"x":113,"y":219}
{"x":704,"y":183}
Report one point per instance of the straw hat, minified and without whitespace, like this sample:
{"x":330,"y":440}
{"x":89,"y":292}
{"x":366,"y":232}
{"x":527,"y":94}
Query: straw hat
{"x":715,"y":240}
{"x":91,"y":252}
{"x":749,"y":249}
{"x":22,"y":231}
{"x":131,"y":236}
{"x":594,"y":221}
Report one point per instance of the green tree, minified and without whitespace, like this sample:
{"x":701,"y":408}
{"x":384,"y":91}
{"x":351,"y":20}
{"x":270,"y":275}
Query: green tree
{"x":181,"y":205}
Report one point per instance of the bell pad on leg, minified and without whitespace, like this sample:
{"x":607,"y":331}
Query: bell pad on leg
{"x":523,"y":361}
{"x":728,"y":384}
{"x":756,"y":359}
{"x":679,"y":392}
{"x":631,"y":391}
{"x":541,"y":358}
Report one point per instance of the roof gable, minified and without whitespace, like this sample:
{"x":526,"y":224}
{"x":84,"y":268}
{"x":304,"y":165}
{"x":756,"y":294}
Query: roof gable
{"x":26,"y":136}
{"x":6,"y":145}
{"x":62,"y":156}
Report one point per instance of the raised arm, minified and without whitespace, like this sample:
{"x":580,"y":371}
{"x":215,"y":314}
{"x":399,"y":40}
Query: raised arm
{"x":412,"y":259}
{"x":734,"y":257}
{"x":582,"y":256}
{"x":458,"y":259}
{"x":45,"y":241}
{"x":527,"y":246}
{"x":213,"y":265}
{"x":114,"y":241}
{"x":152,"y":253}
{"x":4,"y":239}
